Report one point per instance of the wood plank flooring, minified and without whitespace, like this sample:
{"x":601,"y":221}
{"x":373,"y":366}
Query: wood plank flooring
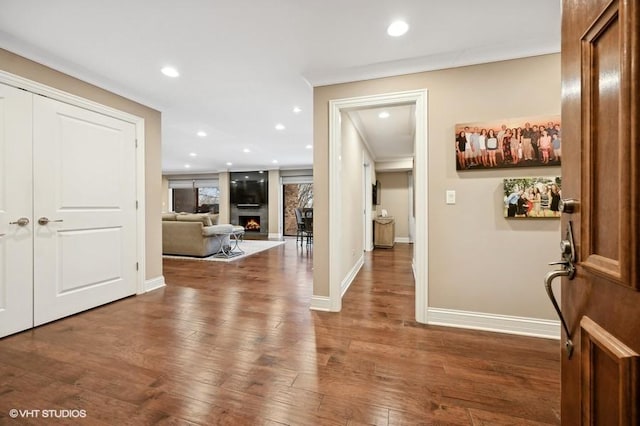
{"x":236,"y":344}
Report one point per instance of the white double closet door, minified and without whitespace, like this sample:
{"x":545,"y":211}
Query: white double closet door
{"x":76,"y":168}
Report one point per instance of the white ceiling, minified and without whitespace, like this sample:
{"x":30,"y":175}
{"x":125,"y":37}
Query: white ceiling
{"x":389,"y":138}
{"x":245,"y":64}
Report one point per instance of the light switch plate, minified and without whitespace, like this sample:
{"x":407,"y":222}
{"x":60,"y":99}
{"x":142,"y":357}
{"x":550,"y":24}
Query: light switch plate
{"x":451,"y":196}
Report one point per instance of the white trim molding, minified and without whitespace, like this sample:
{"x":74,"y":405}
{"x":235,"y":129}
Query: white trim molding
{"x":346,"y":282}
{"x":402,"y":240}
{"x":154,"y":284}
{"x":320,"y":303}
{"x":523,"y":326}
{"x":275,"y":236}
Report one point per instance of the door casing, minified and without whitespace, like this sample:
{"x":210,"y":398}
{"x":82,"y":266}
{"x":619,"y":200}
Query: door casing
{"x":420,"y":246}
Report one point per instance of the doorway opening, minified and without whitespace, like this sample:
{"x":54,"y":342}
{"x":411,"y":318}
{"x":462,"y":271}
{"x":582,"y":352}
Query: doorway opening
{"x":339,"y":279}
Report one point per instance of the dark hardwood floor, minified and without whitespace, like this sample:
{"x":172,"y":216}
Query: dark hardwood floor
{"x":236,"y":344}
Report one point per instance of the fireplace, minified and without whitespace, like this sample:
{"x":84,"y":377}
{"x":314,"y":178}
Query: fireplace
{"x":253,"y":217}
{"x":250,"y":223}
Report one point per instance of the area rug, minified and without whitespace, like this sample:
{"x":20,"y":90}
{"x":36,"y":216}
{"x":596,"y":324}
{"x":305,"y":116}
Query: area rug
{"x":248,"y":246}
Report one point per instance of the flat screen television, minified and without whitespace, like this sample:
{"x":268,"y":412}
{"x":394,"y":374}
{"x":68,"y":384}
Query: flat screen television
{"x":249,"y":188}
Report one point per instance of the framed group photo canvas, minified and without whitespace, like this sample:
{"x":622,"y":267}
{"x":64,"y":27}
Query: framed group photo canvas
{"x":517,"y":142}
{"x":532,"y":197}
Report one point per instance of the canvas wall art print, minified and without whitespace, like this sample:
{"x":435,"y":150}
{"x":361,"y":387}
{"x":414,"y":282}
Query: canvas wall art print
{"x":517,"y":142}
{"x":532,"y":197}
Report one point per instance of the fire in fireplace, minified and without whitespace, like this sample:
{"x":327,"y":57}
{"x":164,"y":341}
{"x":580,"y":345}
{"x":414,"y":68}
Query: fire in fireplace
{"x":250,"y":223}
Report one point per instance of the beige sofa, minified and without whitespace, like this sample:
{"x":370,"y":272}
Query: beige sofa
{"x":189,"y":234}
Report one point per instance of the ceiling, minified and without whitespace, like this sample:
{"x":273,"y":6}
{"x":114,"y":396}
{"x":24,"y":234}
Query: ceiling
{"x":245,"y":65}
{"x":389,"y":137}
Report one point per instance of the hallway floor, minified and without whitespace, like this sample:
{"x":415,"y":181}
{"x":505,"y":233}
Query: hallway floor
{"x":235,"y":343}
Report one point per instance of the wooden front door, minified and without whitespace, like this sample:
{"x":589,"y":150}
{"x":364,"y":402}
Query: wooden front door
{"x":601,"y":169}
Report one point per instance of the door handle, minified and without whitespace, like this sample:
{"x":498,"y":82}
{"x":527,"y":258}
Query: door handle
{"x":44,"y":220}
{"x":23,"y":221}
{"x":569,"y":257}
{"x":568,"y":271}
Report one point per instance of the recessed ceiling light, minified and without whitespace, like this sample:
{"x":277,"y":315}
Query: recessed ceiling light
{"x":297,"y":110}
{"x":383,"y":114}
{"x":229,"y":164}
{"x":309,"y":146}
{"x":280,"y":126}
{"x":246,"y":150}
{"x":170,"y":72}
{"x":193,"y":154}
{"x":187,"y":166}
{"x":246,"y":177}
{"x":202,"y":134}
{"x":261,"y":171}
{"x":397,"y":28}
{"x":275,"y":161}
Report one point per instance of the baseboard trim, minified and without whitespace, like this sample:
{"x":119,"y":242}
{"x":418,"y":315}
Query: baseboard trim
{"x":346,"y":282}
{"x":402,"y":240}
{"x":323,"y":303}
{"x":320,"y":303}
{"x":275,"y":236}
{"x":413,"y":269}
{"x":523,"y":326}
{"x":154,"y":284}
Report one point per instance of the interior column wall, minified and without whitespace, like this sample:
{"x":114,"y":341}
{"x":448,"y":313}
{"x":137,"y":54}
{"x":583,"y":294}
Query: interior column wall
{"x":275,"y":208}
{"x":165,"y":194}
{"x":224,"y":180}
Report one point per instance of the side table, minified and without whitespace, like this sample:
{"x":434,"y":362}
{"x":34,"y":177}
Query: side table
{"x":384,"y":231}
{"x":233,"y":249}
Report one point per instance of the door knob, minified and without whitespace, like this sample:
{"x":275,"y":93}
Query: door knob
{"x":44,"y":220}
{"x":23,"y":221}
{"x":568,"y":205}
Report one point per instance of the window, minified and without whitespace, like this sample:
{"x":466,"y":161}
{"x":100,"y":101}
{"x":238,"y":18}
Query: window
{"x":195,"y":196}
{"x":208,"y":200}
{"x":296,"y":195}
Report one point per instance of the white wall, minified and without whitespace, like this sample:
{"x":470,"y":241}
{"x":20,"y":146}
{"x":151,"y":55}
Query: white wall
{"x":352,"y":207}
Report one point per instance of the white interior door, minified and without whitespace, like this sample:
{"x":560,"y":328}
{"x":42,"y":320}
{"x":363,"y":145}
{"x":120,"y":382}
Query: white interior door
{"x":16,"y":255}
{"x":84,"y":183}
